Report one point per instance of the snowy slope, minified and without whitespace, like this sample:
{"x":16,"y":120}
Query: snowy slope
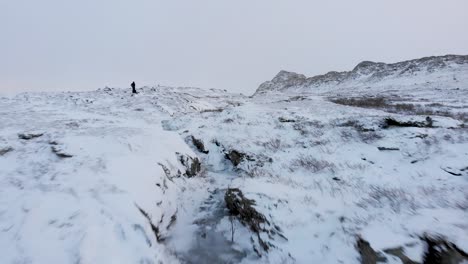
{"x":328,"y":173}
{"x":315,"y":169}
{"x":318,"y":172}
{"x":73,"y":194}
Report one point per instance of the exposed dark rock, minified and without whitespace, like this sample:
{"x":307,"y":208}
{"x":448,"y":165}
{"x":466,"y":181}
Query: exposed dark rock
{"x":155,"y":229}
{"x":216,"y":110}
{"x":28,"y":136}
{"x":286,"y":120}
{"x":216,"y":142}
{"x":441,"y":251}
{"x":5,"y":150}
{"x":391,"y":122}
{"x":451,"y":171}
{"x":370,"y":161}
{"x":173,"y":220}
{"x":243,"y":209}
{"x":368,"y":255}
{"x":254,"y":162}
{"x":195,"y":168}
{"x":422,"y":136}
{"x":199,"y":145}
{"x":59,"y":152}
{"x":438,"y":251}
{"x":400,"y":253}
{"x":386,"y":148}
{"x":192,"y":165}
{"x":235,"y":157}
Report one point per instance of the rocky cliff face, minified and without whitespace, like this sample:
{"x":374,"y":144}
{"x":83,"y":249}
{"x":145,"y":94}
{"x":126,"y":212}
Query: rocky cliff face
{"x":367,"y":73}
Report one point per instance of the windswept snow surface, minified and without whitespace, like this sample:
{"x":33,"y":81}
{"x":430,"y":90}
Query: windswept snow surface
{"x":103,"y":176}
{"x":83,"y":206}
{"x":315,"y":170}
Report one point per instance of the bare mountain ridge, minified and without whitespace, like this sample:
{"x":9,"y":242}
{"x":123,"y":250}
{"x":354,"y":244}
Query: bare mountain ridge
{"x":368,"y":72}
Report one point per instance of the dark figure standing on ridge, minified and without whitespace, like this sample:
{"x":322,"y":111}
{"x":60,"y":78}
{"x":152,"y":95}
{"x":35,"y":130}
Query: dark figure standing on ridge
{"x":133,"y":88}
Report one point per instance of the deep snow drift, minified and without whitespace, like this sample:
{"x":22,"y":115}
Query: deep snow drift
{"x":352,"y":170}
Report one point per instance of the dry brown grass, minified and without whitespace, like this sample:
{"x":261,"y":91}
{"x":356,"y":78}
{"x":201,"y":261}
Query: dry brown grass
{"x":386,"y":104}
{"x":312,"y":164}
{"x":394,"y":198}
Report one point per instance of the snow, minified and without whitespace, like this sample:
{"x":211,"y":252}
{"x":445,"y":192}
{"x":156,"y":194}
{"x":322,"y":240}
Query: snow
{"x":84,"y":208}
{"x":106,"y":171}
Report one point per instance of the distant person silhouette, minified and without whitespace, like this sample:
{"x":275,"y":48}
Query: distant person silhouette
{"x":133,"y":88}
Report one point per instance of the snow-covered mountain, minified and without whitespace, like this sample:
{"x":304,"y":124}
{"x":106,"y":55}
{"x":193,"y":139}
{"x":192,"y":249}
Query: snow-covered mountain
{"x":449,"y":69}
{"x":296,"y":174}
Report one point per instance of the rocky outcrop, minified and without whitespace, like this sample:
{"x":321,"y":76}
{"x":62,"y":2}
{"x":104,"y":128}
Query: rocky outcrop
{"x":399,"y":252}
{"x":192,"y":165}
{"x":60,"y":152}
{"x":283,"y":80}
{"x":368,"y":254}
{"x":28,"y":136}
{"x":5,"y":150}
{"x":365,"y":72}
{"x":238,"y":159}
{"x":198,"y":143}
{"x":244,"y":211}
{"x":235,"y":157}
{"x":392,"y":122}
{"x":439,"y":250}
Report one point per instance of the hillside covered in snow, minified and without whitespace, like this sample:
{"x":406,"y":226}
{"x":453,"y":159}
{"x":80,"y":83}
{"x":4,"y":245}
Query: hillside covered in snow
{"x":425,"y":73}
{"x":365,"y":166}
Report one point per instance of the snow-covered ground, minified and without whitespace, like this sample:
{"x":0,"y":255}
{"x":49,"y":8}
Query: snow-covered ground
{"x":76,"y":169}
{"x":315,"y":169}
{"x":106,"y":177}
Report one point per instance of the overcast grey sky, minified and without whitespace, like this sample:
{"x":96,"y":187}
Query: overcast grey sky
{"x":234,"y":45}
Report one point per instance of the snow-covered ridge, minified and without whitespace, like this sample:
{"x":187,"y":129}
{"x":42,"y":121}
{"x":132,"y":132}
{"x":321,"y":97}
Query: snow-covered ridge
{"x":434,"y":68}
